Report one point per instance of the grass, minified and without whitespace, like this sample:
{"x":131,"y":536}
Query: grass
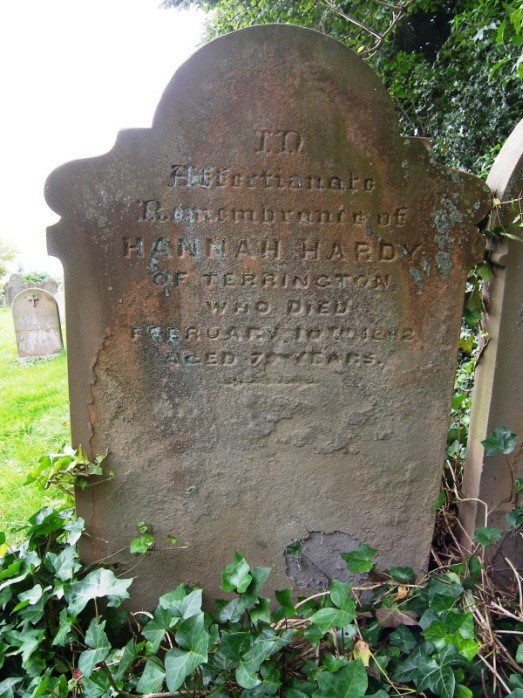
{"x":34,"y":420}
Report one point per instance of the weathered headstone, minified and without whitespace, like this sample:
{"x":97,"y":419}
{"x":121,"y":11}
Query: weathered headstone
{"x":263,"y":307}
{"x":37,"y":324}
{"x":13,"y":287}
{"x":50,"y":285}
{"x":498,"y":392}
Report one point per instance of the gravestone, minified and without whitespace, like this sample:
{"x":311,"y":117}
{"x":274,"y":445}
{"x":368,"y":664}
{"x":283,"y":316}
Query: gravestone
{"x":498,"y":391}
{"x":50,"y":285}
{"x":263,"y":298}
{"x":13,"y":287}
{"x":37,"y":324}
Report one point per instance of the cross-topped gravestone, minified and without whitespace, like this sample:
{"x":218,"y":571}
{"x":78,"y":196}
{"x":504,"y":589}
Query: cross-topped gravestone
{"x":264,"y":294}
{"x":37,"y":324}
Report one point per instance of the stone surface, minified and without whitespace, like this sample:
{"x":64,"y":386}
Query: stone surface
{"x":498,"y":392}
{"x":263,"y":299}
{"x":12,"y":288}
{"x":37,"y":324}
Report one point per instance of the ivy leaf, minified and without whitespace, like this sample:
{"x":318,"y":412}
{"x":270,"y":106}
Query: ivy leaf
{"x":27,"y":641}
{"x":393,"y":617}
{"x":340,"y":596}
{"x":31,"y":596}
{"x":502,"y":440}
{"x":486,"y":536}
{"x":181,"y":603}
{"x":142,"y":545}
{"x":440,"y":501}
{"x":125,"y":657}
{"x":234,"y":644}
{"x":6,"y":685}
{"x":63,"y":565}
{"x":96,"y":584}
{"x":463,"y":692}
{"x":408,"y":669}
{"x":327,"y":618}
{"x":519,"y":654}
{"x":403,"y":638}
{"x":284,"y":598}
{"x":261,"y":612}
{"x":156,"y":628}
{"x":514,"y":518}
{"x":96,"y":639}
{"x":96,"y":686}
{"x":180,"y":663}
{"x":362,"y":651}
{"x":191,"y":635}
{"x":74,"y":528}
{"x":235,"y":576}
{"x":436,"y":678}
{"x":360,"y":560}
{"x":264,"y":645}
{"x":151,"y":681}
{"x":349,"y":682}
{"x":64,"y":628}
{"x":466,"y":648}
{"x":404,"y":575}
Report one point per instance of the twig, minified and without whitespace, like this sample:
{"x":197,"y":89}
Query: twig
{"x":492,"y":669}
{"x":518,"y":582}
{"x":356,"y":22}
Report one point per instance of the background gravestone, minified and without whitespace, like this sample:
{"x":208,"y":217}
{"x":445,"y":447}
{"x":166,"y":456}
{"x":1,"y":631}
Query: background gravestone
{"x":498,"y":392}
{"x":12,"y":288}
{"x":15,"y":284}
{"x":263,"y":299}
{"x":37,"y":324}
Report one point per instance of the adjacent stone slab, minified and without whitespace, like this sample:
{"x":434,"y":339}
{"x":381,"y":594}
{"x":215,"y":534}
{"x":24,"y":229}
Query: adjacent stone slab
{"x":37,"y":324}
{"x":498,"y":392}
{"x":264,"y":294}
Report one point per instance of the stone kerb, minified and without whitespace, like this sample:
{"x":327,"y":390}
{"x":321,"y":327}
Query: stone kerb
{"x":498,"y":391}
{"x":37,"y":324}
{"x":262,"y":317}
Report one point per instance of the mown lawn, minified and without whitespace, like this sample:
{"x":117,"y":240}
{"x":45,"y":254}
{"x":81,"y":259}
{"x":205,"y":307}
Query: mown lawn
{"x":34,"y":420}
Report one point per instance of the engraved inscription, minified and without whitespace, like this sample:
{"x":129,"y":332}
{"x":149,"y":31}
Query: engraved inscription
{"x":278,"y":142}
{"x":308,"y":249}
{"x":187,"y":175}
{"x":155,"y":211}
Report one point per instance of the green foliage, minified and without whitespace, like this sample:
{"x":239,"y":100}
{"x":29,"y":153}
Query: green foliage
{"x":397,"y":638}
{"x":7,"y":253}
{"x":67,"y":470}
{"x":502,"y":440}
{"x":469,"y":98}
{"x":34,"y":276}
{"x":463,"y":90}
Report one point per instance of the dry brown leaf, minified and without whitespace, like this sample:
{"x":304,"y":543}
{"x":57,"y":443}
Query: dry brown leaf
{"x":392,"y":617}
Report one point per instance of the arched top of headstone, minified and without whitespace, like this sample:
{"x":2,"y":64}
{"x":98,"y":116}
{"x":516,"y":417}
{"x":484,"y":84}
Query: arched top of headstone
{"x":34,"y":296}
{"x":270,"y":108}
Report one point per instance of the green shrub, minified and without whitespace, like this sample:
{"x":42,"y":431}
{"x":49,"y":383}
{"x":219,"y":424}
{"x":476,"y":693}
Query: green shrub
{"x":62,"y":632}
